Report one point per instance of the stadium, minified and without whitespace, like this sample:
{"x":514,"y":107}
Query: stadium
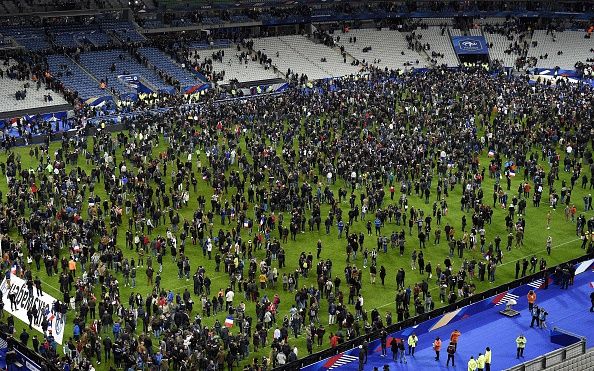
{"x":279,"y":185}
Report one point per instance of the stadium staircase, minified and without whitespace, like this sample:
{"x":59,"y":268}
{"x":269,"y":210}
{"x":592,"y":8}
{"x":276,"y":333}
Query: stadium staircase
{"x":423,"y":53}
{"x":451,"y":42}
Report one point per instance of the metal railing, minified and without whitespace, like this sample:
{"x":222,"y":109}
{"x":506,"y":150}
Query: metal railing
{"x":553,"y":358}
{"x":316,"y":357}
{"x":24,"y":357}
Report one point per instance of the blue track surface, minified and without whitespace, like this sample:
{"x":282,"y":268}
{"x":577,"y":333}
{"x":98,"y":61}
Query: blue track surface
{"x":483,"y":326}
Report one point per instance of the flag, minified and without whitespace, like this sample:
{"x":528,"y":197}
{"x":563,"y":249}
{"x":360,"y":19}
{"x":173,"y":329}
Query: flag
{"x":229,"y":321}
{"x":49,"y":315}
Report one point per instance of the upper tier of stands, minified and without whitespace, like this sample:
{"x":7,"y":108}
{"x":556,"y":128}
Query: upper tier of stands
{"x":420,"y":44}
{"x":30,"y":38}
{"x":74,"y":36}
{"x":29,"y":6}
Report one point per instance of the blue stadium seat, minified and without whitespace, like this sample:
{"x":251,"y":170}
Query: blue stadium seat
{"x":99,"y":64}
{"x":164,"y":63}
{"x":77,"y":79}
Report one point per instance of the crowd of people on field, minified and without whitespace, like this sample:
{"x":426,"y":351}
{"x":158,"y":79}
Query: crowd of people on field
{"x":357,"y":155}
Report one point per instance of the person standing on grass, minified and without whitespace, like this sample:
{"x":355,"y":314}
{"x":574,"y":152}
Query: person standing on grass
{"x":517,"y":268}
{"x":520,"y":346}
{"x":549,"y":216}
{"x":549,"y":245}
{"x":382,"y":274}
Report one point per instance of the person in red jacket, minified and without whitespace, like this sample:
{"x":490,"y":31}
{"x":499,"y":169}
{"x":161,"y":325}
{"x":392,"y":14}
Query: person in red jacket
{"x":454,"y":337}
{"x":531,"y":299}
{"x":437,"y":347}
{"x":333,"y":340}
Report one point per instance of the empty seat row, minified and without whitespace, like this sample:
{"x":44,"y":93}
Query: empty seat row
{"x":100,"y":63}
{"x":381,"y":48}
{"x":74,"y":77}
{"x":562,"y":49}
{"x":164,"y":63}
{"x":242,"y":70}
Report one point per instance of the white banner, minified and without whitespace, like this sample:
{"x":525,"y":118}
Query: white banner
{"x":24,"y":301}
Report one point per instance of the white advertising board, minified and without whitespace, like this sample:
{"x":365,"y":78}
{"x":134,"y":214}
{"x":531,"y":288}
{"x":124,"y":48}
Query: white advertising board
{"x":24,"y":301}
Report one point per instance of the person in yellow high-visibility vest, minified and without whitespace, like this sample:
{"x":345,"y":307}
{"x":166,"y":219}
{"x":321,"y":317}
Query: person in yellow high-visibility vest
{"x":521,"y":345}
{"x":472,"y":364}
{"x":480,"y":362}
{"x":488,"y":359}
{"x":412,"y":343}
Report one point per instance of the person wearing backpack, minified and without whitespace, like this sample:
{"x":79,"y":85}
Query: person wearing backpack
{"x":451,"y":351}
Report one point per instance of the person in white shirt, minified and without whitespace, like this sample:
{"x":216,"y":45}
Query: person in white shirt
{"x":281,"y":359}
{"x":229,"y":299}
{"x":277,"y":334}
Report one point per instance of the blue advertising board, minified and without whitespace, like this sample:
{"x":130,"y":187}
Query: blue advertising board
{"x":470,"y":45}
{"x":135,"y":82}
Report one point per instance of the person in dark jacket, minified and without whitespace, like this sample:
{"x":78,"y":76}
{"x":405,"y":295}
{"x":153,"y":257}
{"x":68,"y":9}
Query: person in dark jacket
{"x":24,"y":337}
{"x":383,"y":340}
{"x":451,"y":351}
{"x":107,"y":344}
{"x":394,"y":347}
